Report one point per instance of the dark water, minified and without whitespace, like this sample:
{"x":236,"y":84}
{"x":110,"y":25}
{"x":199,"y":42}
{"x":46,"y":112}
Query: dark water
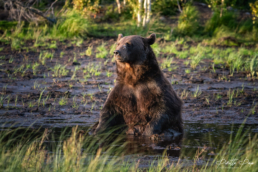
{"x":197,"y":136}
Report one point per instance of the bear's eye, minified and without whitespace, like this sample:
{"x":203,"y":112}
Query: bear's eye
{"x":128,"y":44}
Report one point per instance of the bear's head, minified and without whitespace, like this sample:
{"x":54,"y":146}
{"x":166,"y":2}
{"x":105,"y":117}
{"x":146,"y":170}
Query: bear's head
{"x":133,"y":49}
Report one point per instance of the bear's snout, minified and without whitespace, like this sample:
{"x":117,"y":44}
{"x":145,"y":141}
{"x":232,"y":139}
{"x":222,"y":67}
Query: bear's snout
{"x":117,"y":52}
{"x":118,"y":55}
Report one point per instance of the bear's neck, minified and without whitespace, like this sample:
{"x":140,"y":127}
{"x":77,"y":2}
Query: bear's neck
{"x":133,"y":74}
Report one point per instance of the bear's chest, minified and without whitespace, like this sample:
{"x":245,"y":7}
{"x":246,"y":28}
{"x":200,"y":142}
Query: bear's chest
{"x":141,"y":102}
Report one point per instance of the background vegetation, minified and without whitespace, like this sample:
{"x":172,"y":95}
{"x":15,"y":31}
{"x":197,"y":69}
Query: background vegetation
{"x":221,"y":31}
{"x":170,"y":19}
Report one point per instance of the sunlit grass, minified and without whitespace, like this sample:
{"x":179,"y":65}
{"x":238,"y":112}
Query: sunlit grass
{"x":102,"y":51}
{"x":77,"y":151}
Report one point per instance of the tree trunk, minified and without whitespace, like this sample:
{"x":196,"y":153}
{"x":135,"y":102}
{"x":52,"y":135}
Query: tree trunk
{"x":118,"y":6}
{"x":221,"y":9}
{"x":179,"y":8}
{"x":148,"y":11}
{"x":145,"y":13}
{"x":139,"y":18}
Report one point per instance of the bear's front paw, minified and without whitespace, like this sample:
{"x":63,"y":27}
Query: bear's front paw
{"x":148,"y":130}
{"x":155,"y":137}
{"x":152,"y":128}
{"x":130,"y":131}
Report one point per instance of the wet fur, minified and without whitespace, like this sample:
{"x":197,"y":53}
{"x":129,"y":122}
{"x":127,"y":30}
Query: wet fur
{"x":142,"y":99}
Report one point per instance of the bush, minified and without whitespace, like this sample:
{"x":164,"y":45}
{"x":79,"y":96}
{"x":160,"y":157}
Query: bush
{"x":165,"y":7}
{"x":188,"y":22}
{"x":223,"y":31}
{"x":74,"y":24}
{"x":228,"y":19}
{"x":246,"y":26}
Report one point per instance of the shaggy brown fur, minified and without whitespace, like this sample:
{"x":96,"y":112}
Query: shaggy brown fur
{"x":142,"y":98}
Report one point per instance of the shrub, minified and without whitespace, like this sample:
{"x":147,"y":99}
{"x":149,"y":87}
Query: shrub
{"x":74,"y":24}
{"x":223,"y":31}
{"x":228,"y":19}
{"x":188,"y":22}
{"x":246,"y":26}
{"x":164,"y":7}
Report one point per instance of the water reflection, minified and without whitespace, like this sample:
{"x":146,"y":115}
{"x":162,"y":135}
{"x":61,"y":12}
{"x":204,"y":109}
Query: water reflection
{"x":197,"y":136}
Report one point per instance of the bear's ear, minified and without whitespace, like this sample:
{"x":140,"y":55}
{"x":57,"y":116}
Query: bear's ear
{"x":151,"y":39}
{"x":119,"y":36}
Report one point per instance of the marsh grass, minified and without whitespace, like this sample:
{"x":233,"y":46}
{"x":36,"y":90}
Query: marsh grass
{"x":102,"y":51}
{"x":88,"y":52}
{"x":74,"y":150}
{"x":35,"y":68}
{"x":166,"y":63}
{"x":253,"y":66}
{"x":93,"y":69}
{"x":187,"y":71}
{"x":236,"y":60}
{"x":169,"y":49}
{"x":112,"y":49}
{"x":59,"y":70}
{"x":63,"y":101}
{"x":195,"y":60}
{"x":197,"y":92}
{"x":230,"y":96}
{"x":52,"y":45}
{"x":156,"y":49}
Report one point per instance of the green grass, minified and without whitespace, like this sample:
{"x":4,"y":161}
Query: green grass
{"x":53,"y":45}
{"x":236,"y":60}
{"x":102,"y":51}
{"x":43,"y":56}
{"x":62,"y":101}
{"x":112,"y":49}
{"x":88,"y":52}
{"x":170,"y":49}
{"x":187,"y":71}
{"x":156,"y":49}
{"x":197,"y":92}
{"x":195,"y":60}
{"x":166,"y":63}
{"x":34,"y":150}
{"x":253,"y":65}
{"x":35,"y":68}
{"x":71,"y":24}
{"x":59,"y":70}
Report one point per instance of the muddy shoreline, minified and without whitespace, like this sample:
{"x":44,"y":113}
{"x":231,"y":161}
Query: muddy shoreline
{"x":74,"y":97}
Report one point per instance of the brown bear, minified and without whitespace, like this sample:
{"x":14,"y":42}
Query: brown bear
{"x":142,"y":97}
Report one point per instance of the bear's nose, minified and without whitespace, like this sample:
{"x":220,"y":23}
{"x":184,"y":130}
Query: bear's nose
{"x":117,"y":52}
